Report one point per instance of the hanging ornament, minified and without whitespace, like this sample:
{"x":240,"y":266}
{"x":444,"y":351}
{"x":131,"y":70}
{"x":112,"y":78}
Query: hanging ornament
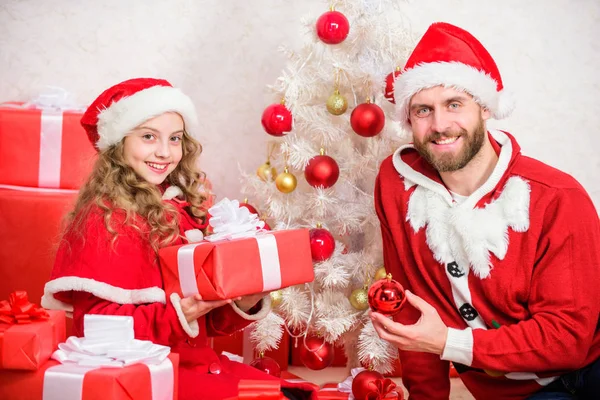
{"x":322,"y":243}
{"x":367,"y":119}
{"x":371,"y":385}
{"x":332,"y":27}
{"x":386,"y":296}
{"x":319,"y":354}
{"x":359,"y":298}
{"x":389,"y":85}
{"x":286,"y":182}
{"x":277,"y":119}
{"x":276,"y":298}
{"x":266,"y":364}
{"x":337,"y":103}
{"x":266,"y":172}
{"x":266,"y":227}
{"x":249,"y":207}
{"x":322,"y":171}
{"x":380,"y":274}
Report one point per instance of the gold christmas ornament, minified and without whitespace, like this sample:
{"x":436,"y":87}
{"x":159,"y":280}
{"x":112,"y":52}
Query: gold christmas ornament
{"x":360,"y":299}
{"x":337,"y":103}
{"x":266,"y":172}
{"x":380,"y":274}
{"x":286,"y":182}
{"x":276,"y":298}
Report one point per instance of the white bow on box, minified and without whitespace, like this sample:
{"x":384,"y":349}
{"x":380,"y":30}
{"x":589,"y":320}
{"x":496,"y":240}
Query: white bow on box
{"x":54,"y":98}
{"x":230,"y":221}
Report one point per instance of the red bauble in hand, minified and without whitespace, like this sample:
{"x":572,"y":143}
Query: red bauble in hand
{"x":268,"y":365}
{"x":333,"y":27}
{"x":386,"y":296}
{"x":367,"y":119}
{"x":389,"y":85}
{"x":319,"y":354}
{"x":322,"y":244}
{"x":322,"y":171}
{"x":277,"y":120}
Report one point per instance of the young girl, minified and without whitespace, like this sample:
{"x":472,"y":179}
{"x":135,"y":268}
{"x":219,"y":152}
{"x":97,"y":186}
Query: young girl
{"x":143,"y":194}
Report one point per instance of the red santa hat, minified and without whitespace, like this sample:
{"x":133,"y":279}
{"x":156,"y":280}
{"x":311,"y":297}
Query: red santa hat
{"x":128,"y":104}
{"x":450,"y":56}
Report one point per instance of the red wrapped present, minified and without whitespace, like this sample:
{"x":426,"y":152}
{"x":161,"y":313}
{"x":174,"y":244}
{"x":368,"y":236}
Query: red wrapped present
{"x":28,"y":334}
{"x":52,"y":150}
{"x":230,"y":268}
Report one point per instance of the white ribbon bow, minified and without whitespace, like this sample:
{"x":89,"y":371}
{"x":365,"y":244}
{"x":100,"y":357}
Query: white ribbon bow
{"x":109,"y":342}
{"x":53,"y":98}
{"x":230,"y":221}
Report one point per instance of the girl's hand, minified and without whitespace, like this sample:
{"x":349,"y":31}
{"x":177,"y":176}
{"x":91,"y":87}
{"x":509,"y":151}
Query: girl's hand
{"x":245,"y":303}
{"x":194,"y":307}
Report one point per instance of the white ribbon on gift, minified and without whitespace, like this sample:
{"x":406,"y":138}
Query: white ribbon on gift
{"x":108,"y":342}
{"x":52,"y":101}
{"x":230,"y":221}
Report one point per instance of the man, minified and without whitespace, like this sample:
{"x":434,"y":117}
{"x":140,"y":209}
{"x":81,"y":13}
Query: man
{"x":499,"y":253}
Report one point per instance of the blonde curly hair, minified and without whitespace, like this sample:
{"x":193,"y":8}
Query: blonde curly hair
{"x":114,"y":186}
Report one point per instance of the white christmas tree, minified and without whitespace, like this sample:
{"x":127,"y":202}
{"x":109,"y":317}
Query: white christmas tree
{"x":334,"y":90}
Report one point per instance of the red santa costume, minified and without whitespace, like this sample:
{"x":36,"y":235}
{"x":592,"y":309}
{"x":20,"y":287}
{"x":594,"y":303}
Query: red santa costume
{"x":93,"y":276}
{"x":513,"y":269}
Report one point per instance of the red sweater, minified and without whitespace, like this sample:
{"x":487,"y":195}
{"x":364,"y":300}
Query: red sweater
{"x":522,"y":252}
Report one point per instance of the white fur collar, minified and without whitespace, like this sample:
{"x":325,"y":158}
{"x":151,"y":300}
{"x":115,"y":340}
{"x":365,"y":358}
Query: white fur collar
{"x":461,"y":232}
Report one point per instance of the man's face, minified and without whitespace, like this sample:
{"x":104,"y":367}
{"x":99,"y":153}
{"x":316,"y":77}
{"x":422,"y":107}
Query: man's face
{"x":448,"y":127}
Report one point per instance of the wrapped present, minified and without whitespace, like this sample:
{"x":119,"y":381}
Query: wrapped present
{"x":53,"y":150}
{"x":28,"y":334}
{"x":258,"y":390}
{"x":238,"y":259}
{"x":108,"y":364}
{"x":381,"y":389}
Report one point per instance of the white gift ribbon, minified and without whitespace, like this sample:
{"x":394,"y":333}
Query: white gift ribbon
{"x":230,"y":221}
{"x":108,"y":342}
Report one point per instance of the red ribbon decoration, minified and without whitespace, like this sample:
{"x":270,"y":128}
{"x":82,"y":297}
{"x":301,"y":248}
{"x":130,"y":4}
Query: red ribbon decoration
{"x":18,"y":310}
{"x":260,"y":389}
{"x":382,"y":387}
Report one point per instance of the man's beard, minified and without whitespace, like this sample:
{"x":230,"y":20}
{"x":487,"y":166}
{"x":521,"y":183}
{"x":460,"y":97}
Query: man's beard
{"x":448,"y":162}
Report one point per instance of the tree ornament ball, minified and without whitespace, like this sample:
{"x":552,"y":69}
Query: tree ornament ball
{"x":389,"y":85}
{"x":322,"y":244}
{"x":276,"y":298}
{"x":249,"y":207}
{"x":367,"y":119}
{"x":360,"y":299}
{"x":337,"y":103}
{"x":268,"y":365}
{"x":380,"y":274}
{"x":363,"y":384}
{"x":319,"y":354}
{"x":286,"y":182}
{"x":332,"y":27}
{"x":386,"y":296}
{"x":322,"y":171}
{"x":266,"y":172}
{"x":277,"y":120}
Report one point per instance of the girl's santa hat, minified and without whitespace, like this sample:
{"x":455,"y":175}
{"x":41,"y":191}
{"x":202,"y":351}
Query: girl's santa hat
{"x":450,"y":56}
{"x":128,"y":104}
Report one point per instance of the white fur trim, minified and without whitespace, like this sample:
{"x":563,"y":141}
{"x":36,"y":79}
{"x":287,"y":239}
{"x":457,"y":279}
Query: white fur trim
{"x":191,"y":328}
{"x":460,"y":76}
{"x":98,"y":289}
{"x":194,"y":235}
{"x":459,"y":346}
{"x":172,"y":192}
{"x":116,"y":121}
{"x":265,"y":309}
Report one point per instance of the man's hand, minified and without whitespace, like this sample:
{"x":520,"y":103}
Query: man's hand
{"x":427,"y":335}
{"x":193,"y":307}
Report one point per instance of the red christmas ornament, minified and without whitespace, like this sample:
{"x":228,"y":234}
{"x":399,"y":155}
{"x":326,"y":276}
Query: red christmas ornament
{"x":371,"y":385}
{"x":268,"y":365}
{"x":249,"y":207}
{"x":277,"y":119}
{"x":319,"y":354}
{"x":367,"y":119}
{"x":389,"y":85}
{"x":322,"y":243}
{"x":322,"y":171}
{"x":266,"y":227}
{"x":386,"y":296}
{"x":333,"y":27}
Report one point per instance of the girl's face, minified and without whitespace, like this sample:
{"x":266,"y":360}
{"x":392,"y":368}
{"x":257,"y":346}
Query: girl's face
{"x":154,"y":148}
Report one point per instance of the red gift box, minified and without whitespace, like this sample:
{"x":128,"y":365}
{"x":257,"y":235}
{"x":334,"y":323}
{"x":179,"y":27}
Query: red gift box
{"x":231,"y":268}
{"x":52,"y":150}
{"x":132,"y":382}
{"x":28,"y":346}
